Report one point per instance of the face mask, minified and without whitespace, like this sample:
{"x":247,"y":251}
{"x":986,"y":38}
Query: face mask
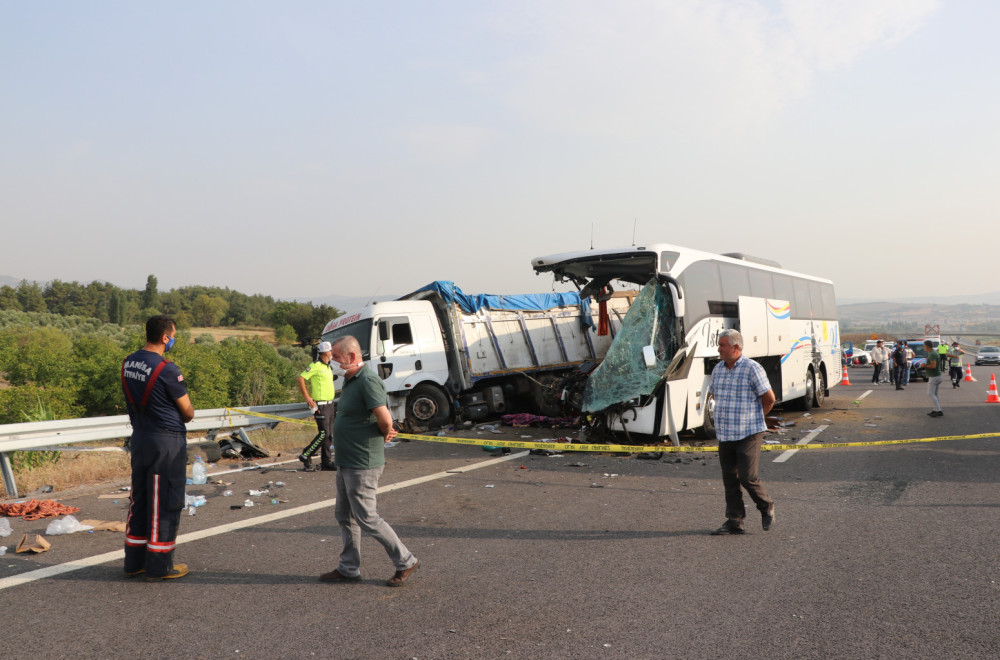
{"x":169,"y":344}
{"x":340,"y":369}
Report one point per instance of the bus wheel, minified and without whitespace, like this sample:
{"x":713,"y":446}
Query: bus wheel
{"x":708,"y":421}
{"x":820,"y":389}
{"x":427,"y":406}
{"x":806,"y":402}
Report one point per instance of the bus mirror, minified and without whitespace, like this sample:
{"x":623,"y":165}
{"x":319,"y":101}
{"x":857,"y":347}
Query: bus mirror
{"x":649,"y":355}
{"x":383,"y":330}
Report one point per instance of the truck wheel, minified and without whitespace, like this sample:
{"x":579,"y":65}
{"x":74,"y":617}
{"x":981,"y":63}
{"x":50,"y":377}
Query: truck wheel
{"x":806,"y":402}
{"x":820,"y":389}
{"x":708,"y":421}
{"x":427,"y":406}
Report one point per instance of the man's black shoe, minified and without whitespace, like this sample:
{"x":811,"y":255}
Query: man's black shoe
{"x":328,"y":467}
{"x":307,"y":465}
{"x":728,"y":527}
{"x":935,"y":413}
{"x":767,"y":518}
{"x":336,"y":576}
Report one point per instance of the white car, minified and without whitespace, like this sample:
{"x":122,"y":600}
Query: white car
{"x":988,"y":355}
{"x":856,"y":356}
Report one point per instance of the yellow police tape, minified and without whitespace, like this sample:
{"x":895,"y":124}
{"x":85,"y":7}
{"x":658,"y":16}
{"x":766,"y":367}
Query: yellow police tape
{"x":308,"y":420}
{"x":628,"y":449}
{"x":632,"y":449}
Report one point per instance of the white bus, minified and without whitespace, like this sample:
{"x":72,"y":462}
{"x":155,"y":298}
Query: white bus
{"x":655,"y":377}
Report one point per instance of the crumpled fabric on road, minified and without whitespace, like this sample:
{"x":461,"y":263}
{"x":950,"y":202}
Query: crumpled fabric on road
{"x":37,"y":509}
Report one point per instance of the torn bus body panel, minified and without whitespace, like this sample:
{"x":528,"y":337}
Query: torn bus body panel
{"x":637,"y":360}
{"x":622,"y":390}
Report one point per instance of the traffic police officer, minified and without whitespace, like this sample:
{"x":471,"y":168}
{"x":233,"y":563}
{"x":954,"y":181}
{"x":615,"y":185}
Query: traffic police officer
{"x":320,"y":400}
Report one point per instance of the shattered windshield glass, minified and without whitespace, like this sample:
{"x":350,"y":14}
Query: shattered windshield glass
{"x":623,"y":375}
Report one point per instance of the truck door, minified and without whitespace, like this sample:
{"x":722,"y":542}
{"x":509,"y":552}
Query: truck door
{"x":396,"y":356}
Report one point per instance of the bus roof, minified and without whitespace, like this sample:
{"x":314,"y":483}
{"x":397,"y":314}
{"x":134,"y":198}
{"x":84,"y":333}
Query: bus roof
{"x":638,"y":263}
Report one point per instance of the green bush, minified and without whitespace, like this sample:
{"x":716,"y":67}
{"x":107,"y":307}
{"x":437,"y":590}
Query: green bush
{"x":258,"y":375}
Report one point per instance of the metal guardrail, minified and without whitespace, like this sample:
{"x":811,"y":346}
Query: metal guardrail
{"x":29,"y":436}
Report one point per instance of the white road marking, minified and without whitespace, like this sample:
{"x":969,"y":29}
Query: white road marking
{"x":87,"y":562}
{"x":809,"y":437}
{"x":867,"y":392}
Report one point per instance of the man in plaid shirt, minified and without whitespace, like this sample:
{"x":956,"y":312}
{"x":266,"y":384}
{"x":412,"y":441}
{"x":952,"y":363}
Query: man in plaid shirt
{"x":743,"y":396}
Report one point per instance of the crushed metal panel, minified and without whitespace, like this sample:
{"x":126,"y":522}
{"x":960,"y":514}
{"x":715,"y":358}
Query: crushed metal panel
{"x":624,"y":374}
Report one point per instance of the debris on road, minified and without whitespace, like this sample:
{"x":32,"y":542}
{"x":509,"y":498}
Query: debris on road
{"x":67,"y":525}
{"x":35,"y":543}
{"x":37,"y":509}
{"x":104,"y":525}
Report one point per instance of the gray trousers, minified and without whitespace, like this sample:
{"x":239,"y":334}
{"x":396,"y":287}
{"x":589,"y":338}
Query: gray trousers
{"x":932,"y":390}
{"x":739,"y":460}
{"x":355,"y":513}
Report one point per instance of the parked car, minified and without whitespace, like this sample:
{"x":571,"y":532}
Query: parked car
{"x":988,"y":355}
{"x":918,"y":366}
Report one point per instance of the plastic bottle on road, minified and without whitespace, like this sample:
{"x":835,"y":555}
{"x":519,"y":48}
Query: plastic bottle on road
{"x":199,"y":473}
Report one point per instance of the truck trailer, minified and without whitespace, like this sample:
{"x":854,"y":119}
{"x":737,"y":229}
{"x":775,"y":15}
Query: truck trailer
{"x":445,"y":355}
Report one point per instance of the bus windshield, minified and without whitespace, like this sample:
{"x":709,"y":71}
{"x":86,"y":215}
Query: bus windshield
{"x":360,"y":330}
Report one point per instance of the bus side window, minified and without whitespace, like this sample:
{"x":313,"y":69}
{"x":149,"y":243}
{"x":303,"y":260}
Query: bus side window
{"x":761,"y":285}
{"x":816,"y":295}
{"x":701,"y":283}
{"x":801,"y":303}
{"x":783,"y":289}
{"x":735,"y":282}
{"x":829,"y":301}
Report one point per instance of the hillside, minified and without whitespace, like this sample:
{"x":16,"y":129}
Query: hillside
{"x":893,"y":315}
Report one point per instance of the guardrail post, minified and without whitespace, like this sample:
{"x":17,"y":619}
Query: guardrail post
{"x":8,"y":475}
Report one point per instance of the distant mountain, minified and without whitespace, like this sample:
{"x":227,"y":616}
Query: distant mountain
{"x":961,"y":316}
{"x":7,"y":280}
{"x":981,"y":299}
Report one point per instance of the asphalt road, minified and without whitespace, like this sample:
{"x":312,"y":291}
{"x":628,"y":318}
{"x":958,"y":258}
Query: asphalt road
{"x":880,"y":552}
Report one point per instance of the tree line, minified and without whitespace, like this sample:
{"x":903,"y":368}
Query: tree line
{"x":62,"y":367}
{"x":191,"y":306}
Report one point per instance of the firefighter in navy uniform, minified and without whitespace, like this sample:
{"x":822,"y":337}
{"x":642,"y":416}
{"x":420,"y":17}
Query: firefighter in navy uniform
{"x":158,"y":406}
{"x":319,"y":397}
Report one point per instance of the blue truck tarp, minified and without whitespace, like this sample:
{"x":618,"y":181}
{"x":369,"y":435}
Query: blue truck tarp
{"x":471,"y":303}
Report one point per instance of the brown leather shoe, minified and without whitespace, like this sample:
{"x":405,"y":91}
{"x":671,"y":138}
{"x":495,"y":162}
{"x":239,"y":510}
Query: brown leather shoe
{"x":337,"y":576}
{"x":400,"y":577}
{"x":177,"y":571}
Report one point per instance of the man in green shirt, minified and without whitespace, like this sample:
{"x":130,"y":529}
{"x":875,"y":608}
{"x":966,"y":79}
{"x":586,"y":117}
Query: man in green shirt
{"x":360,"y":431}
{"x":933,"y":370}
{"x":319,"y":398}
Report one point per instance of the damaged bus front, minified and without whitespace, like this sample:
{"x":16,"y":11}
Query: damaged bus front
{"x":654,"y":379}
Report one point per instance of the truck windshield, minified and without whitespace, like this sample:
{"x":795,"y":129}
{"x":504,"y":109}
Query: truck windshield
{"x":360,"y":330}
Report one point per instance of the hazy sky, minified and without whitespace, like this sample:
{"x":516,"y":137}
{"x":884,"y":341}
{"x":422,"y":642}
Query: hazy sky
{"x":302,"y":149}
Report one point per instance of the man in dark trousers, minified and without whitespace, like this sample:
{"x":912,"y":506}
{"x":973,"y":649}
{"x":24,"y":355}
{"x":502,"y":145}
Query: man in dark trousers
{"x":158,"y":406}
{"x":743,"y":396}
{"x":899,"y":363}
{"x":363,"y":426}
{"x":319,"y":398}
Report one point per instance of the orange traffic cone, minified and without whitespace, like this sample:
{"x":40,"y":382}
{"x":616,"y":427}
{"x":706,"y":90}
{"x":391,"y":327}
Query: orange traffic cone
{"x":968,"y":374}
{"x":846,"y":380}
{"x":991,"y":394}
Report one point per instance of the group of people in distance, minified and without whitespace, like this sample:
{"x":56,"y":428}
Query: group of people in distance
{"x":940,"y":359}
